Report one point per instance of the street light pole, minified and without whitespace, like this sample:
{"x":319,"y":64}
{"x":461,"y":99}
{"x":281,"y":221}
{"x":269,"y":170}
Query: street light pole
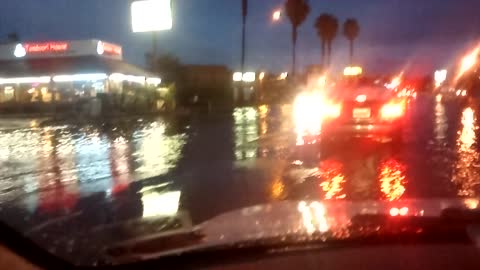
{"x":154,"y":51}
{"x":244,"y":22}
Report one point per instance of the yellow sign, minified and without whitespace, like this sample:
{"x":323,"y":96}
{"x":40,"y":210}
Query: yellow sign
{"x":352,"y":71}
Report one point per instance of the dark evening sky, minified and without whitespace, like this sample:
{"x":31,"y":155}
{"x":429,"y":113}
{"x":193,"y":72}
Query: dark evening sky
{"x":395,"y":34}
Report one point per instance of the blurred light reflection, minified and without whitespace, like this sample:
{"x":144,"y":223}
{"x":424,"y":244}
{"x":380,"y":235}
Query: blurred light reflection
{"x":55,"y":165}
{"x":246,"y":133}
{"x":263,"y":111}
{"x":157,"y":204}
{"x":59,"y":182}
{"x":307,"y":114}
{"x":471,"y":203}
{"x":392,"y":179}
{"x":156,"y":152}
{"x":92,"y":161}
{"x":313,"y":217}
{"x":466,"y":174}
{"x":467,"y":136}
{"x":277,"y":189}
{"x":441,"y":124}
{"x":119,"y":164}
{"x":330,"y":171}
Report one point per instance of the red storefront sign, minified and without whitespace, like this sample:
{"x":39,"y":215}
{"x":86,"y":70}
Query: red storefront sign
{"x":108,"y":48}
{"x":62,"y":49}
{"x":112,"y":48}
{"x":47,"y":47}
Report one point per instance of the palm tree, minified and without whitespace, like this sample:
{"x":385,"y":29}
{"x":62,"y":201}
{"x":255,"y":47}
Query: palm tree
{"x":327,"y":28}
{"x":244,"y":23}
{"x":321,"y":26}
{"x":297,"y":12}
{"x":351,"y":29}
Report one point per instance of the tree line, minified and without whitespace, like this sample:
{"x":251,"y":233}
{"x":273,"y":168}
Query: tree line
{"x":327,"y":27}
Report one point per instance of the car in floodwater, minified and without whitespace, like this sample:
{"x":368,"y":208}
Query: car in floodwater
{"x":349,"y":110}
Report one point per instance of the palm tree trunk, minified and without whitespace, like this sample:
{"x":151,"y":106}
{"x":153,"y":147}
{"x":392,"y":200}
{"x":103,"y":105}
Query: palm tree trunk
{"x":244,"y":21}
{"x":323,"y":54}
{"x":154,"y":51}
{"x":351,"y":52}
{"x":294,"y":45}
{"x":329,"y":53}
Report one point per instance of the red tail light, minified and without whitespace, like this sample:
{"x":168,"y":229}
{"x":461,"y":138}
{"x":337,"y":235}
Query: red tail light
{"x":392,"y":111}
{"x":394,"y":211}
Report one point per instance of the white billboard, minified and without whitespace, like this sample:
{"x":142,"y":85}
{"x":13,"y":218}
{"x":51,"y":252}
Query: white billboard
{"x":151,"y":15}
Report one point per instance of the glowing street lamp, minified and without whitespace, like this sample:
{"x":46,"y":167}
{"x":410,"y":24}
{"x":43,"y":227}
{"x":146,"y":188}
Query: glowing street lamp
{"x":395,"y":82}
{"x":440,"y":76}
{"x":237,"y":76}
{"x":246,"y":77}
{"x":468,"y":61}
{"x":283,"y":76}
{"x":352,"y":71}
{"x":249,"y":77}
{"x":276,"y":15}
{"x":261,"y":76}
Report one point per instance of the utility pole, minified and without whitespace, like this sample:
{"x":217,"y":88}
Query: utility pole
{"x":154,"y":51}
{"x":244,"y":22}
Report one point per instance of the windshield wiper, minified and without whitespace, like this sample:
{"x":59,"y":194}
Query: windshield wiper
{"x":364,"y":230}
{"x":135,"y":248}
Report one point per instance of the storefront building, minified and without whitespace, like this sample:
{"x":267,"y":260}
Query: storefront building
{"x":65,"y":72}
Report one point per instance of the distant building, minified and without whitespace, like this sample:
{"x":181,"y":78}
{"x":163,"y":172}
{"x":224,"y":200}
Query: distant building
{"x":313,"y":69}
{"x":202,"y":84}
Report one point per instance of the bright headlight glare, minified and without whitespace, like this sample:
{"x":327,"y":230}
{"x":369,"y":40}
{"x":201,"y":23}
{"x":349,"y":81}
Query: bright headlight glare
{"x":307,"y":113}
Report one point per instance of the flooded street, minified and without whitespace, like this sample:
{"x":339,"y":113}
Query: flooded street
{"x":65,"y":180}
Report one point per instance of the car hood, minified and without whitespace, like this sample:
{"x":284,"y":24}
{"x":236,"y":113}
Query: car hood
{"x":332,"y":220}
{"x":307,"y":217}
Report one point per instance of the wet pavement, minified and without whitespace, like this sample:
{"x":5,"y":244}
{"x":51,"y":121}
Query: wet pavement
{"x":58,"y":183}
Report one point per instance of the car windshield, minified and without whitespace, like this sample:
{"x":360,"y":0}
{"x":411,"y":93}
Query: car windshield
{"x":206,"y":123}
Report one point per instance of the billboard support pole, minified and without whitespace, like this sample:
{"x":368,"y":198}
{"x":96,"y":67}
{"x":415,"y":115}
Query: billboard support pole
{"x":154,"y":51}
{"x":244,"y":21}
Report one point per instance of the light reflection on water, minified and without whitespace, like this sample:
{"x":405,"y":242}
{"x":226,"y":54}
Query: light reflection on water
{"x":441,"y":123}
{"x":59,"y":183}
{"x":467,"y":135}
{"x":359,"y":174}
{"x":333,"y":179}
{"x":252,"y":124}
{"x":392,"y":179}
{"x":466,"y":171}
{"x":157,"y":204}
{"x":53,"y":167}
{"x":314,"y":217}
{"x":120,"y":169}
{"x":56,"y":166}
{"x":277,"y":189}
{"x":246,"y":132}
{"x":156,"y":153}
